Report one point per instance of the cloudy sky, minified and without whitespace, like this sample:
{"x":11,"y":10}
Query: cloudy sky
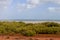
{"x":30,"y":9}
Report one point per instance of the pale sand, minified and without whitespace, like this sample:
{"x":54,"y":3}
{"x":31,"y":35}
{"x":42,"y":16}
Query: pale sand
{"x":39,"y":21}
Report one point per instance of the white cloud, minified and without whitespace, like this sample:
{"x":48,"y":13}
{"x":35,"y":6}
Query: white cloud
{"x":5,"y":3}
{"x":36,"y":2}
{"x":54,"y":9}
{"x":51,"y":9}
{"x":30,"y":4}
{"x":33,"y":2}
{"x":54,"y":1}
{"x":21,"y":7}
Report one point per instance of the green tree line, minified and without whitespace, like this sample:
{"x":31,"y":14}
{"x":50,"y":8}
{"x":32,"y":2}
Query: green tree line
{"x":29,"y":29}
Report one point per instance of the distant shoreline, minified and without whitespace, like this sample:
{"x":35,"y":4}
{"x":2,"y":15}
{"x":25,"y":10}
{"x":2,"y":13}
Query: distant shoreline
{"x":31,"y":21}
{"x":39,"y":21}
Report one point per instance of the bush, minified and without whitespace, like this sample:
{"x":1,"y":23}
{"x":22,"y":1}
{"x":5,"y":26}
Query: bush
{"x":28,"y":32}
{"x":29,"y":29}
{"x":51,"y":24}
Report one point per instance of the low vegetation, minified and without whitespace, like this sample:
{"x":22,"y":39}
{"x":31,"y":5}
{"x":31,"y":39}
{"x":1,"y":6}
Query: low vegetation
{"x":29,"y":29}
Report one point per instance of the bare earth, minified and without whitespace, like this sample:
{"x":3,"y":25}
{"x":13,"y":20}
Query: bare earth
{"x":37,"y":37}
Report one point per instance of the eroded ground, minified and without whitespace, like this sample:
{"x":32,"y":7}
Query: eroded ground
{"x":37,"y":37}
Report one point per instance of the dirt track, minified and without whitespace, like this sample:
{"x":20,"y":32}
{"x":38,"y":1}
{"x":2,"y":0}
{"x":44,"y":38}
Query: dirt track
{"x":38,"y":37}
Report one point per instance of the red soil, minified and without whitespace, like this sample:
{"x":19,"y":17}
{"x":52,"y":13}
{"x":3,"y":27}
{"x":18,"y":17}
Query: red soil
{"x":37,"y":37}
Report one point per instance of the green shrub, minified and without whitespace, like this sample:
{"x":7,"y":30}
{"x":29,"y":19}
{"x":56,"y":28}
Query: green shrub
{"x":51,"y":24}
{"x":28,"y":32}
{"x":29,"y":29}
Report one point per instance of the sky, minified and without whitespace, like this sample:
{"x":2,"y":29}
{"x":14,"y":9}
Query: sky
{"x":30,"y":9}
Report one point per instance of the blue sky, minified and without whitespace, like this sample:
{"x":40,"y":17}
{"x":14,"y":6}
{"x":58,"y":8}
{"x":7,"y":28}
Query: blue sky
{"x":30,"y":9}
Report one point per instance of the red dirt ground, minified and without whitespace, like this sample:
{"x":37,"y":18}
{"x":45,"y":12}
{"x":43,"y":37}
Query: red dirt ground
{"x":37,"y":37}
